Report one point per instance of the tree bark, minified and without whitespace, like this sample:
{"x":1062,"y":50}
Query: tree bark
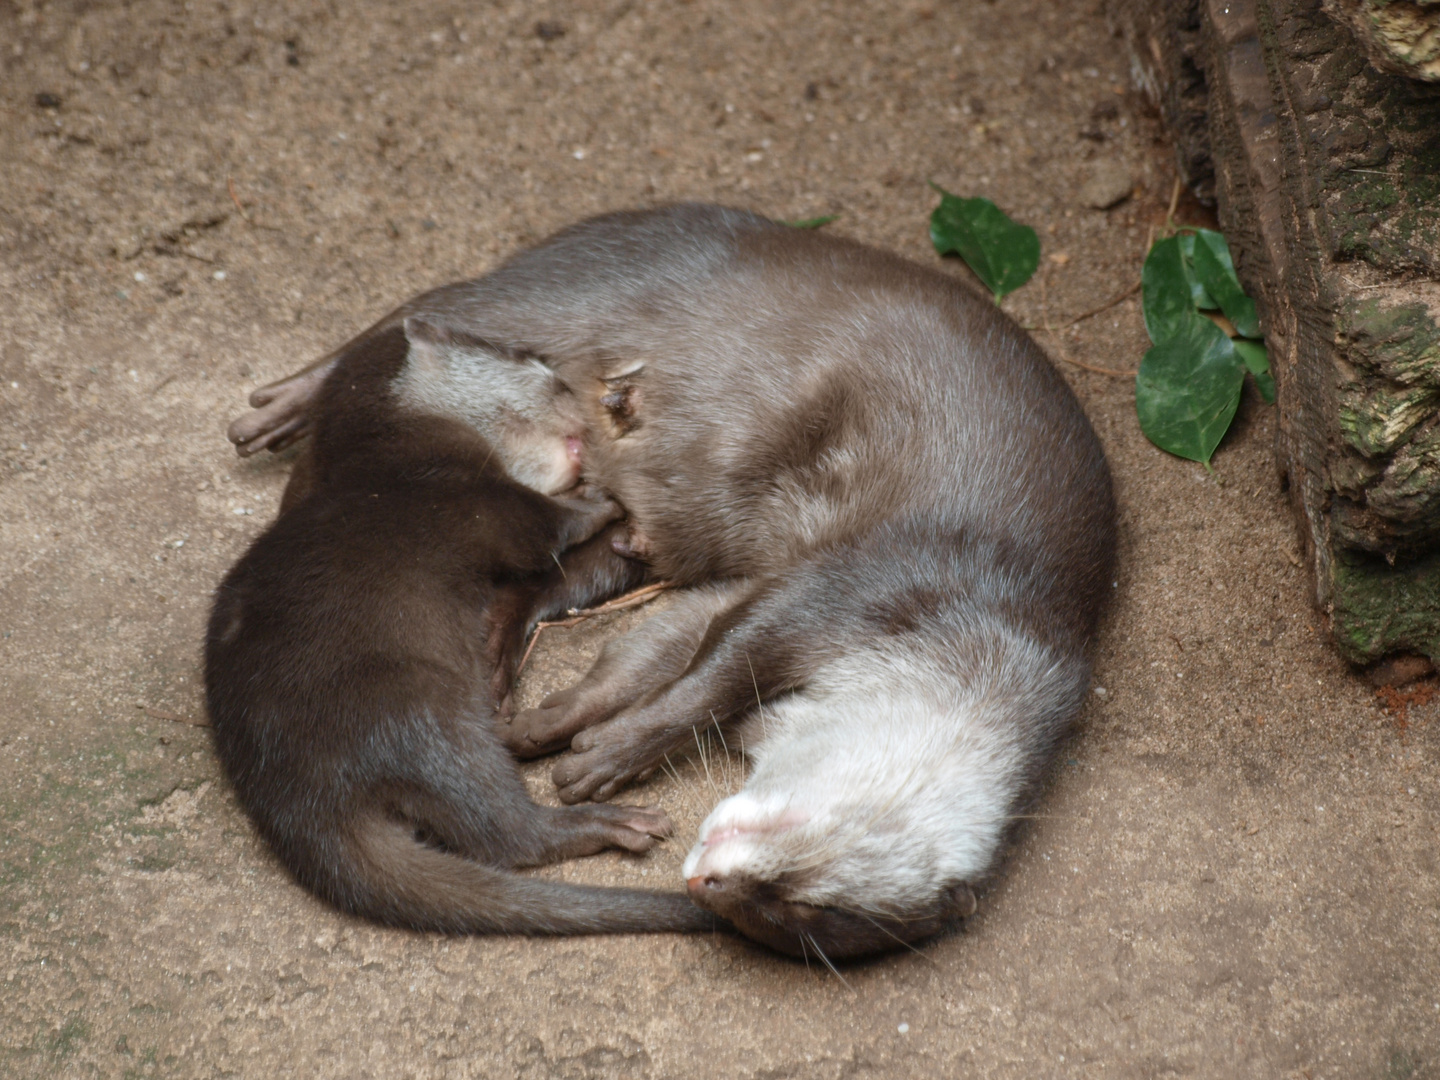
{"x":1327,"y":179}
{"x":1399,"y":36}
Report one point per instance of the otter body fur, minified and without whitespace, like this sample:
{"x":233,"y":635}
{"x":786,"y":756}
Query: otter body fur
{"x":898,"y":524}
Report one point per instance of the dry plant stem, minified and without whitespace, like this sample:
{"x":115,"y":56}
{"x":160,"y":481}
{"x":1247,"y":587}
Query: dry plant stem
{"x":235,"y":198}
{"x":161,"y":714}
{"x":230,"y":186}
{"x":1060,"y":345}
{"x":1131,"y":291}
{"x":634,"y":598}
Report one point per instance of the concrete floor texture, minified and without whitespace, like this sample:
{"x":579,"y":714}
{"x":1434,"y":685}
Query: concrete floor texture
{"x":1232,"y":870}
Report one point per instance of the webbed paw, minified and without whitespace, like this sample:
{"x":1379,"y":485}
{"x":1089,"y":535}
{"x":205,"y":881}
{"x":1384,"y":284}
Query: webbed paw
{"x":602,"y":763}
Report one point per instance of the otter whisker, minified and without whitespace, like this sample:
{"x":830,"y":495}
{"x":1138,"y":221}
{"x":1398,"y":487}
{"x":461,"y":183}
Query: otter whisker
{"x":673,"y":773}
{"x":704,"y":760}
{"x":826,"y":961}
{"x":759,"y":705}
{"x":875,"y":923}
{"x":741,"y":765}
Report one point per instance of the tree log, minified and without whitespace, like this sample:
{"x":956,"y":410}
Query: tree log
{"x":1399,"y":36}
{"x":1327,"y":180}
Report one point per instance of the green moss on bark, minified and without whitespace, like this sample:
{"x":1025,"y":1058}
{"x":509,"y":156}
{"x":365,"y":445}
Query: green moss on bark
{"x":1377,"y":420}
{"x":1401,"y":341}
{"x":1377,"y":608}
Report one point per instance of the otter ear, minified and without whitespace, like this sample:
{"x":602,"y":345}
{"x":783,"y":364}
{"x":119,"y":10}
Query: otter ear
{"x":418,"y":330}
{"x":427,"y":343}
{"x":435,"y":347}
{"x":962,"y":898}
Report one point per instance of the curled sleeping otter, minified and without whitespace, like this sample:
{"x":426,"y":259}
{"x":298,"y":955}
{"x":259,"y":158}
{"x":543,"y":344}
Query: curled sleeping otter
{"x":897,"y":523}
{"x":356,"y":653}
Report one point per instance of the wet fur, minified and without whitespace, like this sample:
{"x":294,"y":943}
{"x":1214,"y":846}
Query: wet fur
{"x":356,"y":654}
{"x":901,"y":530}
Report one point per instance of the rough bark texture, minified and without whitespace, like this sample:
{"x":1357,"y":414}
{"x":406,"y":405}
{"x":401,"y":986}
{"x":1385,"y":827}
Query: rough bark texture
{"x":1327,"y":177}
{"x":1399,"y":36}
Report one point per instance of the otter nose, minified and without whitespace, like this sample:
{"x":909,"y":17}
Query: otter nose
{"x":701,"y":884}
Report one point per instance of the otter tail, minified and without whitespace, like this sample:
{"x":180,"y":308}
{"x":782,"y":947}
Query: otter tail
{"x":379,"y":870}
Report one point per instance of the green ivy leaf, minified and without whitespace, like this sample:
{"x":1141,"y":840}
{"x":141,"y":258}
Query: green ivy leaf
{"x":1258,"y":361}
{"x":1216,"y":273}
{"x":1003,"y":254}
{"x":1198,"y":296}
{"x":1188,"y":388}
{"x":1166,"y":297}
{"x":811,"y":222}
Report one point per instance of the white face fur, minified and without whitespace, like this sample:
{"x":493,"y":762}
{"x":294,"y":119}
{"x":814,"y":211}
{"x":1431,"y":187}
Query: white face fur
{"x":519,"y":405}
{"x":880,"y":803}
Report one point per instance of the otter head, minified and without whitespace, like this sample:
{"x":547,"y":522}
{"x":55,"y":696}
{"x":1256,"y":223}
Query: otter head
{"x":846,"y":846}
{"x":789,"y":882}
{"x":531,"y":418}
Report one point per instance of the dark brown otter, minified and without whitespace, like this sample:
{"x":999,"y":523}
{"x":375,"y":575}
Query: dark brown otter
{"x":357,"y":652}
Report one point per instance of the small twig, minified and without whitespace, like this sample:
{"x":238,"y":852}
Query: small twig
{"x":634,"y":598}
{"x":1174,"y":203}
{"x":1060,"y":345}
{"x":575,"y":616}
{"x":534,"y":637}
{"x":1131,"y":291}
{"x":161,"y":714}
{"x":230,"y":185}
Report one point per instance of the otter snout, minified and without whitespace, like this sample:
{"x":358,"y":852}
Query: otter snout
{"x":701,"y":886}
{"x":763,"y":912}
{"x":763,"y":866}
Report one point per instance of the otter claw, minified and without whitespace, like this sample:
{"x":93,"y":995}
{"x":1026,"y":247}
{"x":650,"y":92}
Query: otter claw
{"x":597,"y":769}
{"x":545,"y":728}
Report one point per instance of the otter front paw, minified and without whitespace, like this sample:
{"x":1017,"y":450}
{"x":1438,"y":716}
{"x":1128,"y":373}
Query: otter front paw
{"x":590,"y":511}
{"x":634,"y":544}
{"x":281,"y":413}
{"x":547,"y":727}
{"x":632,"y":828}
{"x":602,"y":763}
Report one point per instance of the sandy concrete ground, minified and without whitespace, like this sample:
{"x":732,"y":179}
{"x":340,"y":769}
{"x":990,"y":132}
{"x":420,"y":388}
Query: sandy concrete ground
{"x":1233,"y":872}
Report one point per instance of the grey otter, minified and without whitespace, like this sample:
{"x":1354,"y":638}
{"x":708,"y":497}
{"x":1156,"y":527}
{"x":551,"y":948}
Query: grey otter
{"x":356,"y":653}
{"x":897,"y":521}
